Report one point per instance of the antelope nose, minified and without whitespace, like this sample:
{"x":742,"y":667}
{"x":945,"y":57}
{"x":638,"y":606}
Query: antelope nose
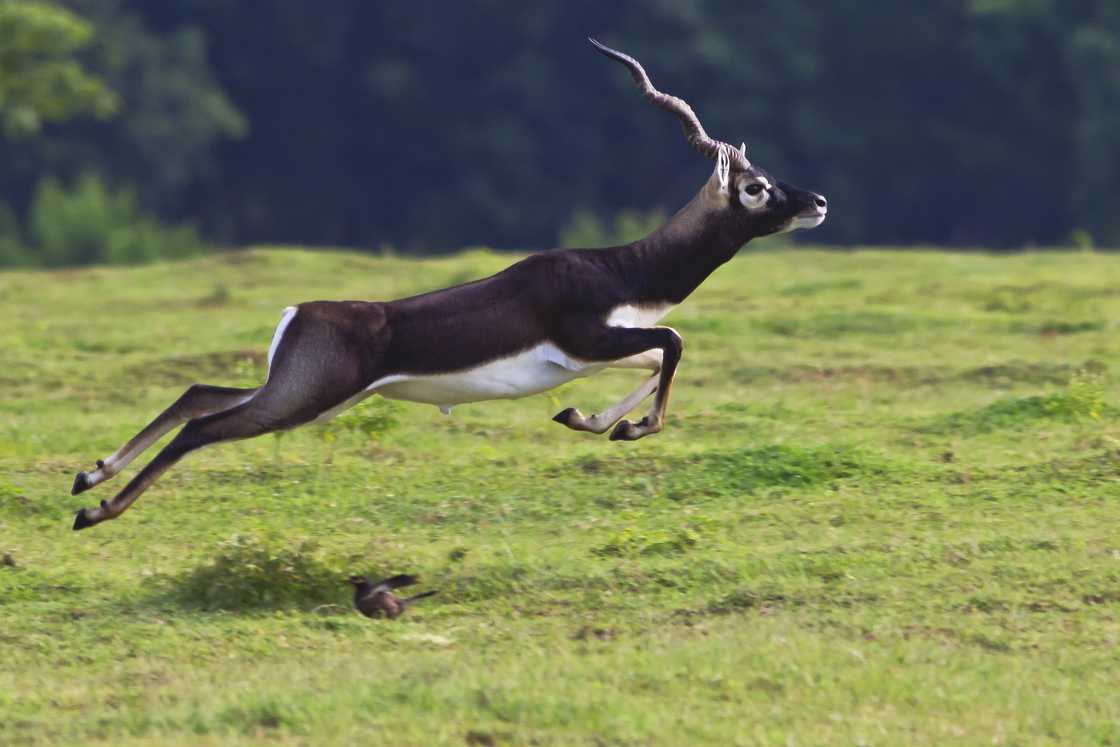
{"x":820,"y":201}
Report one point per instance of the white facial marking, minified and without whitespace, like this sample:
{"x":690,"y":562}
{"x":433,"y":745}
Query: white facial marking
{"x":758,"y":200}
{"x":804,"y":221}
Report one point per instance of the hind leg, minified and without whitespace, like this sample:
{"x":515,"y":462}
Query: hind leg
{"x":244,"y":421}
{"x":197,"y":401}
{"x":315,"y":367}
{"x":274,"y":408}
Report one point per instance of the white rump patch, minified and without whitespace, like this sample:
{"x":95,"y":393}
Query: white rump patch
{"x":285,"y":320}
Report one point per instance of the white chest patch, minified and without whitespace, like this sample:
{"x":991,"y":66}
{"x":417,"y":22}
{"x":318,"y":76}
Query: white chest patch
{"x":638,"y":316}
{"x":530,"y":372}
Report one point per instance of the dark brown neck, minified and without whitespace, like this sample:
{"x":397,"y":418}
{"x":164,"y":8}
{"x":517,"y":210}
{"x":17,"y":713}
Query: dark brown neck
{"x":674,"y":260}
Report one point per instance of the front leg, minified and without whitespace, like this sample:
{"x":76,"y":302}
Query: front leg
{"x":601,"y":422}
{"x":641,"y":345}
{"x":652,"y":423}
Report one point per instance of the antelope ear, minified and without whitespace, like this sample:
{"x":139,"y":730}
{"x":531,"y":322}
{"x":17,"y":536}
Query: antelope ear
{"x":743,"y":149}
{"x":723,"y":170}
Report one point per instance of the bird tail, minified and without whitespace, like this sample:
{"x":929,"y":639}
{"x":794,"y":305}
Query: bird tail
{"x":401,"y":579}
{"x":412,"y":599}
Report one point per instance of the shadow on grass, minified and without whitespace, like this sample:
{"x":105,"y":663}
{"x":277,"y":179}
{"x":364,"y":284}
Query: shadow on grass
{"x":249,"y":574}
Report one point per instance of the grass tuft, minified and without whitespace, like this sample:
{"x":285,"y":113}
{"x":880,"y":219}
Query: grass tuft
{"x":1082,"y":400}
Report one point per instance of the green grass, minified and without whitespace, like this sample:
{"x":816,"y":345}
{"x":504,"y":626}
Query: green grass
{"x":884,"y":511}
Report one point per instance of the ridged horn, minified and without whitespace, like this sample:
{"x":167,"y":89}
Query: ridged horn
{"x":693,"y":130}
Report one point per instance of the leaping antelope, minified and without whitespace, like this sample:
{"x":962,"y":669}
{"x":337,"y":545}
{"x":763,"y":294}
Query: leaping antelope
{"x":546,"y":320}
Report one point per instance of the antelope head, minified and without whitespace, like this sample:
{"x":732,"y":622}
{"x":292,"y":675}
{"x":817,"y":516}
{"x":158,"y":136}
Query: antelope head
{"x":753,"y":199}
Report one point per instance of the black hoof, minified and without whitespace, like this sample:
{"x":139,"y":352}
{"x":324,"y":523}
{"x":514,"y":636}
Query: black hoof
{"x":81,"y":521}
{"x":621,"y":431}
{"x":82,"y":483}
{"x":564,"y":417}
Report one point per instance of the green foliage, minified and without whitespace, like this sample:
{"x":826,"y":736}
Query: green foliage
{"x":175,"y":116}
{"x":542,"y":126}
{"x":371,"y":420}
{"x":12,"y":251}
{"x":1083,"y":240}
{"x":585,"y":228}
{"x":40,"y":78}
{"x":91,"y":224}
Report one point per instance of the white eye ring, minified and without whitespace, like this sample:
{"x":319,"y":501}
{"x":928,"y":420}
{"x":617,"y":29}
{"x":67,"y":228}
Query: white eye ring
{"x":754,"y":194}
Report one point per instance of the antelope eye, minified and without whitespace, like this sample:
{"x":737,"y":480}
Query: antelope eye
{"x":755,"y":189}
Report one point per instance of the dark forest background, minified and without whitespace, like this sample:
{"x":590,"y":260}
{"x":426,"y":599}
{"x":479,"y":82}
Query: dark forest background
{"x":136,"y":129}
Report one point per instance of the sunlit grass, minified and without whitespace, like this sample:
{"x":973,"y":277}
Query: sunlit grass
{"x":884,"y":511}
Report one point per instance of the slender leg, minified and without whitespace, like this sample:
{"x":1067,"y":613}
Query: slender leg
{"x":601,"y":422}
{"x":655,"y":420}
{"x":198,"y":400}
{"x":631,"y":348}
{"x":315,"y":368}
{"x":241,"y":422}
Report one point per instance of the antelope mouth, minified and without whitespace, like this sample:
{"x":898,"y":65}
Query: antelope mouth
{"x":809,"y":219}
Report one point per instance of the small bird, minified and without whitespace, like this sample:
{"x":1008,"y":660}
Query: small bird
{"x":378,"y":600}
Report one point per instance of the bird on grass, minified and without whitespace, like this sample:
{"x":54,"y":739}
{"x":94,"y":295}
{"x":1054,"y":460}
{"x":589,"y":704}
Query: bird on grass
{"x":378,"y":600}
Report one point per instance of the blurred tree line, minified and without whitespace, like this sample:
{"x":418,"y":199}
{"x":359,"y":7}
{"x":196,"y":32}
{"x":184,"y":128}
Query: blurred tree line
{"x":129,"y":126}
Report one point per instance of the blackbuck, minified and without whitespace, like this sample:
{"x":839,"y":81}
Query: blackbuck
{"x":546,"y":320}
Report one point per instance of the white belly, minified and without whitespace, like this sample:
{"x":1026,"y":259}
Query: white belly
{"x":530,"y":372}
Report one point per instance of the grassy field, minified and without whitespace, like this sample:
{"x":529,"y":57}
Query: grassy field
{"x":884,"y":511}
